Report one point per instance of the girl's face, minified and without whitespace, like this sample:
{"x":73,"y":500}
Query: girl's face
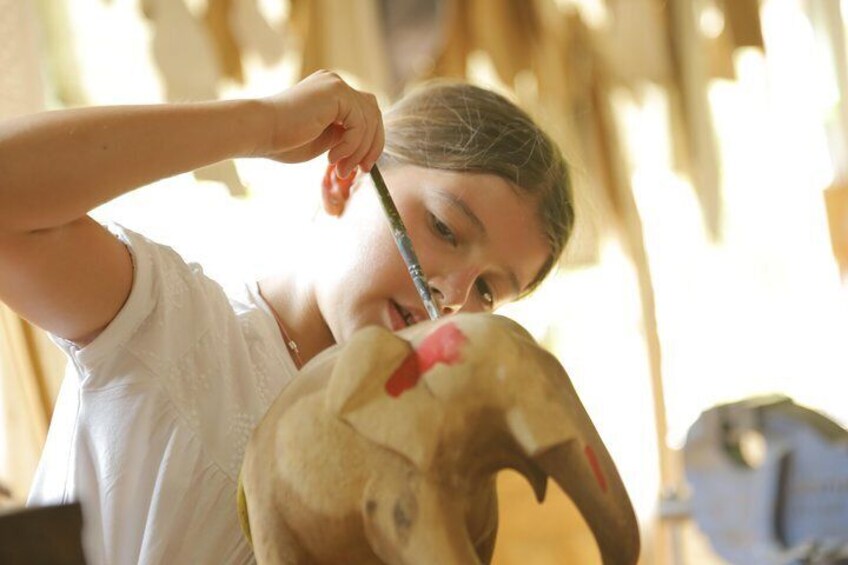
{"x":479,"y":243}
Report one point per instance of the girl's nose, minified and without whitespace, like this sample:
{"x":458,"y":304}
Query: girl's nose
{"x":451,"y":291}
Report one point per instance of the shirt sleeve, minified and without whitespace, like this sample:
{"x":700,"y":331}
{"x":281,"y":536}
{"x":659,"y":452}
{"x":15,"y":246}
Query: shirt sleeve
{"x":179,"y":344}
{"x":171,"y":305}
{"x":134,"y":311}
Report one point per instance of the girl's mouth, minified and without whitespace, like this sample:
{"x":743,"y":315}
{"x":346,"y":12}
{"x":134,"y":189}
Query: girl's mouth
{"x":401,"y":317}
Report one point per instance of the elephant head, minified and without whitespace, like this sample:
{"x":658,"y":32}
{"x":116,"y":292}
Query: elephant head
{"x":436,"y":411}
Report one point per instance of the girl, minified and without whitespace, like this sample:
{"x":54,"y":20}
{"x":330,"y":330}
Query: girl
{"x":168,"y":374}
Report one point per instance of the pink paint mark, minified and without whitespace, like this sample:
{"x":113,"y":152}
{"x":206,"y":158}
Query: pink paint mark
{"x":596,"y":467}
{"x":442,"y":346}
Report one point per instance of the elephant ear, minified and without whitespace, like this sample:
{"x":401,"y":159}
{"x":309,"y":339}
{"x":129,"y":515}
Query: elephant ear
{"x":375,"y":387}
{"x":544,"y":415}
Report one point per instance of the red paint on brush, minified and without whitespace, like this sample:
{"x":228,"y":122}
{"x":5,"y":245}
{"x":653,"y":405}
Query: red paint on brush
{"x":442,"y":346}
{"x":596,"y":467}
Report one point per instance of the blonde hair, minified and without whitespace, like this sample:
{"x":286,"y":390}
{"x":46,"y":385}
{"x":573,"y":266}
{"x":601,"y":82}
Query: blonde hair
{"x":464,"y":128}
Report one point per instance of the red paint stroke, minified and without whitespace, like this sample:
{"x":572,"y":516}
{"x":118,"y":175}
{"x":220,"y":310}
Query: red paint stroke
{"x":442,"y":346}
{"x":405,"y":377}
{"x":596,"y":467}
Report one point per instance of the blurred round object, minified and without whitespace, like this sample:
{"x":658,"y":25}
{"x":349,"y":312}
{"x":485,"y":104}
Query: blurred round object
{"x":769,"y":482}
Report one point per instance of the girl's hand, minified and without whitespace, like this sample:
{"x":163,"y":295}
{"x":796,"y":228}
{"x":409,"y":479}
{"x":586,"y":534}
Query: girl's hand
{"x":322,"y":112}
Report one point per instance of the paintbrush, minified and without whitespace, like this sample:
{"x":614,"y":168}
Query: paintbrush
{"x":404,"y":244}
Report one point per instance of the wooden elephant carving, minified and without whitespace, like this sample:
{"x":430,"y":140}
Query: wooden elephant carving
{"x":385,"y":449}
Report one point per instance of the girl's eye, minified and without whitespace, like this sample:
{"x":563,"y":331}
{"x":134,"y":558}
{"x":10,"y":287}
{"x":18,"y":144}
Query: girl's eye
{"x":486,"y":294}
{"x":443,"y":230}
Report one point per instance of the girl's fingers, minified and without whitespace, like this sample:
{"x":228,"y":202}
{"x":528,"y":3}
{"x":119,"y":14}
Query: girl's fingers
{"x":371,"y":112}
{"x":328,"y":138}
{"x":300,"y":116}
{"x":354,"y":130}
{"x":366,"y":148}
{"x":321,"y":144}
{"x":377,"y":145}
{"x":356,"y":159}
{"x":363,"y":121}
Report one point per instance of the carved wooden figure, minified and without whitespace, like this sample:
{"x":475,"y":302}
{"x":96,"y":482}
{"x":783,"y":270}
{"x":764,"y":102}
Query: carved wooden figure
{"x":385,"y":449}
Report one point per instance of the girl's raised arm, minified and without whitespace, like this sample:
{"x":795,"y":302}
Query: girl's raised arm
{"x":57,"y":166}
{"x":67,"y":274}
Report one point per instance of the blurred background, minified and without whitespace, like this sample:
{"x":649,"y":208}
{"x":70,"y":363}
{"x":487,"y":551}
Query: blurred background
{"x":709,"y":147}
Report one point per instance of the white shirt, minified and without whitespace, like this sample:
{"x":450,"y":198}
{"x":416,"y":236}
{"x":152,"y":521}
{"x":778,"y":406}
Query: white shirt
{"x":153,"y":416}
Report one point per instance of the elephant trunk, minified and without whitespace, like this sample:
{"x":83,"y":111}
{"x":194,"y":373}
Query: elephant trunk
{"x":589,"y":477}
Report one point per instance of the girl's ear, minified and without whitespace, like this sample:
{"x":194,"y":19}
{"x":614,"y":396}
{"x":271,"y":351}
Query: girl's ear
{"x":336,"y":190}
